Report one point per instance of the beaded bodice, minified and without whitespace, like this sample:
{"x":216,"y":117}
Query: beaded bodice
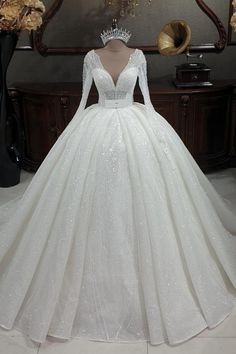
{"x":93,"y":69}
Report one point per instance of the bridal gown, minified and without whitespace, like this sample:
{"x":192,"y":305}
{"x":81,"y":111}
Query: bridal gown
{"x":119,"y":236}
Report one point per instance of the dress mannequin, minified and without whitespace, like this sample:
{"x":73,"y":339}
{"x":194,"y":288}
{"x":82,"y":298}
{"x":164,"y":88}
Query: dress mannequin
{"x":119,"y":237}
{"x":114,"y":57}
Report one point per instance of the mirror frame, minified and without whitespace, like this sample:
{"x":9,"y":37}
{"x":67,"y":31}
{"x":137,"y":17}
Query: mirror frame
{"x":44,"y":50}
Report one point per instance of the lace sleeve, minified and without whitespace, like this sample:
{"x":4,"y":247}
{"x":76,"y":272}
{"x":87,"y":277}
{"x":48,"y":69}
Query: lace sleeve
{"x":143,"y":83}
{"x":86,"y":84}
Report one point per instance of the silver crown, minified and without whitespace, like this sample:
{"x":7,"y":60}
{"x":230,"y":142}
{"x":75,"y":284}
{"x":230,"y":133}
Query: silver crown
{"x":115,"y":33}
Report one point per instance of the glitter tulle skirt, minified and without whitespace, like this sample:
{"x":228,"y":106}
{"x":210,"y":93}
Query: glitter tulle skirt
{"x":118,"y":237}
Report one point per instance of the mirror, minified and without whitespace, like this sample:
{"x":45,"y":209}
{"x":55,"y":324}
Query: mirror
{"x":83,"y":27}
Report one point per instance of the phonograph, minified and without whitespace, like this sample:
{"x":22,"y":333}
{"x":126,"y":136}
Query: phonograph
{"x":174,"y":39}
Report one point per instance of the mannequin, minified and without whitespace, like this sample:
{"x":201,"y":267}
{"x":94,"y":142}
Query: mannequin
{"x":114,"y":57}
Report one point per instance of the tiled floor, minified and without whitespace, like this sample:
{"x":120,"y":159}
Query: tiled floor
{"x":220,"y":340}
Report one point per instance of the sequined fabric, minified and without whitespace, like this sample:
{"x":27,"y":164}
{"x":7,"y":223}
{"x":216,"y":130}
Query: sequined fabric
{"x":119,"y":236}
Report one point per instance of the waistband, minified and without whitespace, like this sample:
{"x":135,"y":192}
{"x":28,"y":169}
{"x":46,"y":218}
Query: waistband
{"x":119,"y":103}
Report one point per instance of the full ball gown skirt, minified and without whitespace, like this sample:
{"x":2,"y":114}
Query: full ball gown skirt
{"x":119,"y":236}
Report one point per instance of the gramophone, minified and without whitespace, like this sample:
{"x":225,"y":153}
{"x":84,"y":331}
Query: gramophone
{"x":174,"y":39}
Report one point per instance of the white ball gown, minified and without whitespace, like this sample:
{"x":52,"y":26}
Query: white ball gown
{"x":119,"y":236}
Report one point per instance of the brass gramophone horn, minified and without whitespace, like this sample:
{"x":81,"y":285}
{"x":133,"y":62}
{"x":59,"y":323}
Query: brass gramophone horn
{"x":174,"y":37}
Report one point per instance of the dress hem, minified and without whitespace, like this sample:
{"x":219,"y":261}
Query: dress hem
{"x":196,"y":332}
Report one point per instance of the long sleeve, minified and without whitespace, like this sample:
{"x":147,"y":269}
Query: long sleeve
{"x":143,"y":83}
{"x":87,"y":80}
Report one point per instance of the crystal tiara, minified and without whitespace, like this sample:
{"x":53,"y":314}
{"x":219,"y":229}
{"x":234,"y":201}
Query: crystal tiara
{"x":115,"y":33}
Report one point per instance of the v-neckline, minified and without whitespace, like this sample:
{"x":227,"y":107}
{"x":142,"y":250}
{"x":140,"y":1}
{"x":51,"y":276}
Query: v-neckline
{"x":102,"y":66}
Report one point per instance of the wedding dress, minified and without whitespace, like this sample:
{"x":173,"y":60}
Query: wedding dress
{"x":119,"y":236}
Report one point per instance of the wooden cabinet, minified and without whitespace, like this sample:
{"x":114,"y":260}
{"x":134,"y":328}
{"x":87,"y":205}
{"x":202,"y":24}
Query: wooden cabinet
{"x":203,"y":117}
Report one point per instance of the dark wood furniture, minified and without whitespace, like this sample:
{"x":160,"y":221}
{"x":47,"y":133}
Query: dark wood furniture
{"x":204,"y":118}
